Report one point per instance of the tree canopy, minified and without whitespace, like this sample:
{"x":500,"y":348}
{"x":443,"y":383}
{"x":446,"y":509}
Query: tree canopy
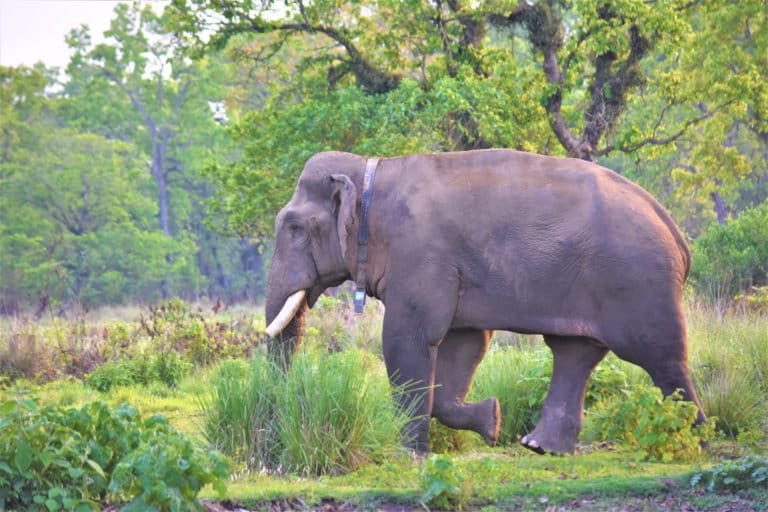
{"x":156,"y":165}
{"x":670,"y":92}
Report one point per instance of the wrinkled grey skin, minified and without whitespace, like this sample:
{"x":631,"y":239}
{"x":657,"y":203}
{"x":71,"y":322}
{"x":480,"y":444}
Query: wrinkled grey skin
{"x":465,"y":243}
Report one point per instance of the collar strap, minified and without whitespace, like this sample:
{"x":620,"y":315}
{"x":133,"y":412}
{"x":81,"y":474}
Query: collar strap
{"x":362,"y":233}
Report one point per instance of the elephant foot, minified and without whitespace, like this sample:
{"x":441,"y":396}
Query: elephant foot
{"x":492,"y":429}
{"x":549,"y":440}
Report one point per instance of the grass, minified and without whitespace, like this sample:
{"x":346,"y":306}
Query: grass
{"x":313,"y":418}
{"x":501,"y":477}
{"x":329,"y":413}
{"x":729,"y":363}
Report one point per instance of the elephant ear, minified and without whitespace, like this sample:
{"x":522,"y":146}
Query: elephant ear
{"x":344,"y":201}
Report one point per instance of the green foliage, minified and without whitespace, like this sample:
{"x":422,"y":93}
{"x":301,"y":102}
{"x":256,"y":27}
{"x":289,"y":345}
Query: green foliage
{"x":442,"y":484}
{"x":91,"y":163}
{"x":279,"y":139}
{"x":641,"y":84}
{"x":326,"y":414}
{"x":54,"y":458}
{"x":166,"y":367}
{"x":166,"y":471}
{"x":734,"y":256}
{"x":748,"y":472}
{"x":658,"y":428}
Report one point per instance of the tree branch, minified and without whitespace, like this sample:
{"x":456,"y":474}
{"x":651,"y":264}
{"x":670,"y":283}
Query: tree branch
{"x":136,"y":102}
{"x":661,"y":141}
{"x":373,"y":80}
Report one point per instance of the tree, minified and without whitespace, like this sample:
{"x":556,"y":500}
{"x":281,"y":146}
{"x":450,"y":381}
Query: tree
{"x":140,"y":87}
{"x":77,"y":223}
{"x":615,"y":80}
{"x":147,"y":68}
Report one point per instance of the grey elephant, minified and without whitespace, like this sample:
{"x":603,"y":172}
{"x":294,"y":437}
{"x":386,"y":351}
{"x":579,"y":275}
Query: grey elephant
{"x":460,"y":244}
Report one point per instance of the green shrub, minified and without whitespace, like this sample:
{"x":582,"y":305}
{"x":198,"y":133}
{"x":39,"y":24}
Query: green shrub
{"x":656,"y":427}
{"x":329,"y":413}
{"x":56,"y":458}
{"x":732,"y":257}
{"x":443,"y":485}
{"x":608,"y":380}
{"x":166,"y":367}
{"x":750,"y":471}
{"x":112,"y":374}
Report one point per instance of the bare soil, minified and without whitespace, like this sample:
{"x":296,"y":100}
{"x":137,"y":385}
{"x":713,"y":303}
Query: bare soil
{"x":696,"y":501}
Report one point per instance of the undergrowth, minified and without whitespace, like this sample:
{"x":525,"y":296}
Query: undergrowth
{"x":78,"y":459}
{"x":329,"y":413}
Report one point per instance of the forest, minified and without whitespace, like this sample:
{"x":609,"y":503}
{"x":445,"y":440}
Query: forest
{"x":138,"y":192}
{"x":153,"y":165}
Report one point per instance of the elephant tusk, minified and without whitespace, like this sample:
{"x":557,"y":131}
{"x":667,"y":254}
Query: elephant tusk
{"x":291,"y":306}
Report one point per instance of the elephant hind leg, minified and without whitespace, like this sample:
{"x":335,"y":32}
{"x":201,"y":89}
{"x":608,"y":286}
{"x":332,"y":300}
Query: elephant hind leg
{"x":574,"y":358}
{"x":661,"y":350}
{"x":458,"y":356}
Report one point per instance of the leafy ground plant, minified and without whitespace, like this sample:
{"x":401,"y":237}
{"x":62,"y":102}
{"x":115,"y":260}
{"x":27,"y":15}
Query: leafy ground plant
{"x":657,"y":427}
{"x":167,"y":367}
{"x":443,"y":484}
{"x":750,"y":471}
{"x":56,"y":458}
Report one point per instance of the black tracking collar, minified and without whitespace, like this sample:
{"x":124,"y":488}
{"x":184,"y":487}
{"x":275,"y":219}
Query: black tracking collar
{"x":362,"y":234}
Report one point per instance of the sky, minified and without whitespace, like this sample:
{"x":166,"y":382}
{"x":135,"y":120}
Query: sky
{"x":34,"y":30}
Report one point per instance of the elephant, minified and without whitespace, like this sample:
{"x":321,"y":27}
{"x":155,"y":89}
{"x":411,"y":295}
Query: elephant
{"x":461,"y":244}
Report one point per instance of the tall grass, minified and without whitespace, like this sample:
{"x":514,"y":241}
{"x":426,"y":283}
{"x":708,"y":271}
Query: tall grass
{"x":729,"y":364}
{"x":519,"y":379}
{"x":240,"y":411}
{"x":328,"y":414}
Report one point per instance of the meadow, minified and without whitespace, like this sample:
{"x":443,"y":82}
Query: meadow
{"x":324,"y":434}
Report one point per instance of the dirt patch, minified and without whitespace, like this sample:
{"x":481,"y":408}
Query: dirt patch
{"x":661,"y":503}
{"x":687,"y":502}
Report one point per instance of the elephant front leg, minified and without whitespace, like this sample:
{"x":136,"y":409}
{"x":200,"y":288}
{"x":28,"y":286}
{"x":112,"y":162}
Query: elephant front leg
{"x":574,"y":358}
{"x":414,"y":325}
{"x":411,"y":369}
{"x":458,"y":356}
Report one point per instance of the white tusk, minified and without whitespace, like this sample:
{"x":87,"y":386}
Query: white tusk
{"x":291,"y":306}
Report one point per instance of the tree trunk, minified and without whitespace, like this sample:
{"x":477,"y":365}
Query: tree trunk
{"x":158,"y":173}
{"x":720,"y":208}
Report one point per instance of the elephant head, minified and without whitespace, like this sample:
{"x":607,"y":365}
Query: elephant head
{"x":315,"y":245}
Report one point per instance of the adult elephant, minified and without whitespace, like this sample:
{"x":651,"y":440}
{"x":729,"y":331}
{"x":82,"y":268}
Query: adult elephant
{"x":460,"y":244}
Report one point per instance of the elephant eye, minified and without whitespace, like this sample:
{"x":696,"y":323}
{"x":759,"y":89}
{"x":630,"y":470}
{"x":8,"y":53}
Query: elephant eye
{"x":296,"y":230}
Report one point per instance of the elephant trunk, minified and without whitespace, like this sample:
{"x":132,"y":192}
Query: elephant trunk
{"x":284,"y":341}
